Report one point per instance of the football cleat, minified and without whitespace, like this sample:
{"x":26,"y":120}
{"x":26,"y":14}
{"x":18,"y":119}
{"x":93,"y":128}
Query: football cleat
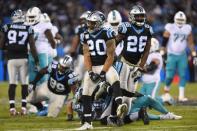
{"x":170,"y":116}
{"x":85,"y":126}
{"x":144,"y":116}
{"x":23,"y":111}
{"x":43,"y":112}
{"x":122,"y":110}
{"x":69,"y":117}
{"x":184,"y":99}
{"x":13,"y":112}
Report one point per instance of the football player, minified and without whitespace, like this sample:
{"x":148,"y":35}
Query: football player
{"x":151,"y":77}
{"x":114,"y":19}
{"x":56,"y":89}
{"x":176,"y":37}
{"x":58,"y":38}
{"x":99,"y":49}
{"x":136,"y":36}
{"x":15,"y":38}
{"x":76,"y":44}
{"x":43,"y":36}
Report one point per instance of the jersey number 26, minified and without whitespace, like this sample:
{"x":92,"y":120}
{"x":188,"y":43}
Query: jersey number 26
{"x":136,"y":44}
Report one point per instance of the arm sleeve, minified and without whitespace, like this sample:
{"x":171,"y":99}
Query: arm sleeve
{"x":52,"y":65}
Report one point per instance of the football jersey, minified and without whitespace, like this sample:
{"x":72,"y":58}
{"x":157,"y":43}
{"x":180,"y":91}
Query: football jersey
{"x":150,"y":78}
{"x":97,"y":44}
{"x":60,"y":83}
{"x":177,"y":42}
{"x":79,"y":30}
{"x":134,"y":41}
{"x":16,"y":38}
{"x":40,"y":38}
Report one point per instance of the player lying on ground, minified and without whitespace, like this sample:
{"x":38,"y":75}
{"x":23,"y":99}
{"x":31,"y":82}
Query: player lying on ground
{"x":56,"y":89}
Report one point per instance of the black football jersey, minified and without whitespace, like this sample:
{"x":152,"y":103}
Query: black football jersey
{"x":134,"y":41}
{"x":16,"y":38}
{"x":97,"y":44}
{"x":60,"y":83}
{"x":79,"y":30}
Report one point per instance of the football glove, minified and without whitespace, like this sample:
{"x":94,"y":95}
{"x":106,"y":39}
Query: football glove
{"x":94,"y":76}
{"x":195,"y":60}
{"x":103,"y":76}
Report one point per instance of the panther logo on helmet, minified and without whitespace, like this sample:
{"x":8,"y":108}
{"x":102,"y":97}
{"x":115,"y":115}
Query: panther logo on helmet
{"x":95,"y":21}
{"x":64,"y":63}
{"x":18,"y":16}
{"x":137,"y":15}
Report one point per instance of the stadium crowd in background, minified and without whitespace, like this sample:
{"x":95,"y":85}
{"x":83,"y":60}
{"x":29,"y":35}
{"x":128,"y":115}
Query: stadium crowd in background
{"x":65,"y":14}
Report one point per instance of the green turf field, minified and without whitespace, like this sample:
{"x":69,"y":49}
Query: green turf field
{"x":34,"y":123}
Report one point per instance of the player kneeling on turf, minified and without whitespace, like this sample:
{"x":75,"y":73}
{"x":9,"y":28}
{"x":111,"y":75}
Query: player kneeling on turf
{"x":56,"y":89}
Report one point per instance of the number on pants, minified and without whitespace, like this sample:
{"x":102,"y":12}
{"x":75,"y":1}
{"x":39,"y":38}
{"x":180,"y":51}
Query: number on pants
{"x":13,"y":35}
{"x":133,"y":41}
{"x":97,"y":48}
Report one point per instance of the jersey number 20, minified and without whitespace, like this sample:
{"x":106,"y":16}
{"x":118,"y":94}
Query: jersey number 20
{"x":97,"y":48}
{"x":19,"y":37}
{"x":135,"y":44}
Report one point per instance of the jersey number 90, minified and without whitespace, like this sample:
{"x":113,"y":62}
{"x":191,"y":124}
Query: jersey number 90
{"x":135,"y":44}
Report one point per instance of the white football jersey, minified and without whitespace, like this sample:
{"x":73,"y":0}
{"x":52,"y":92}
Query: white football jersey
{"x":119,"y":47}
{"x":177,"y":42}
{"x":150,"y":78}
{"x":41,"y":41}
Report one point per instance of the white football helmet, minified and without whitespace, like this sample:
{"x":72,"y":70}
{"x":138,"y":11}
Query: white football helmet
{"x":66,"y":62}
{"x":95,"y":21}
{"x":85,"y":15}
{"x":154,"y":45}
{"x":180,"y":18}
{"x":45,"y":18}
{"x":114,"y":18}
{"x":137,"y":15}
{"x":33,"y":15}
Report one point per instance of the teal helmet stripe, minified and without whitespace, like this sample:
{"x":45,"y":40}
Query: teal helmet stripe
{"x":114,"y":15}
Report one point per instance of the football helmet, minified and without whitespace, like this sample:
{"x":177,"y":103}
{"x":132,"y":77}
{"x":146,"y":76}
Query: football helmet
{"x":179,"y":18}
{"x":114,"y":18}
{"x":85,"y":15}
{"x":154,"y":45}
{"x":95,"y":21}
{"x":137,"y":15}
{"x":45,"y":18}
{"x":18,"y":16}
{"x":64,"y":63}
{"x":33,"y":15}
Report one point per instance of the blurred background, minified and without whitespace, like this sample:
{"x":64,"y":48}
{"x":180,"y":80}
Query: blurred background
{"x":65,"y":15}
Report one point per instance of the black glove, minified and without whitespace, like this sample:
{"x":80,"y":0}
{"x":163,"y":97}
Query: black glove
{"x":103,"y":76}
{"x":94,"y":76}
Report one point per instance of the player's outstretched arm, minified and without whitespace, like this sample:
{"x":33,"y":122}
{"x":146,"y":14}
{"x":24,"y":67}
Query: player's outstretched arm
{"x":145,"y":54}
{"x":110,"y":54}
{"x":39,"y":75}
{"x":87,"y":59}
{"x":50,"y":38}
{"x":75,"y":42}
{"x":33,"y":48}
{"x":166,"y":36}
{"x":191,"y":45}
